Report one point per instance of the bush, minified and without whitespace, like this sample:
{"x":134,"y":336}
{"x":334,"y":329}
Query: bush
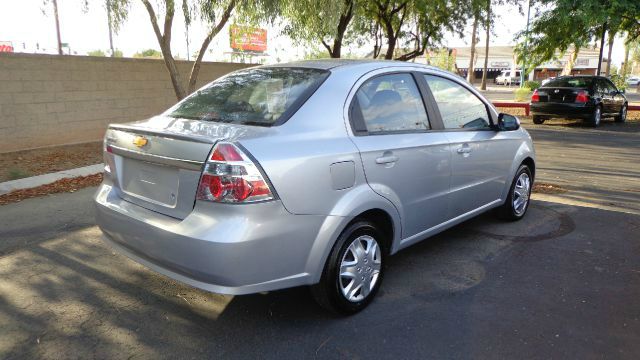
{"x":522,"y":94}
{"x":531,"y":85}
{"x":96,"y":53}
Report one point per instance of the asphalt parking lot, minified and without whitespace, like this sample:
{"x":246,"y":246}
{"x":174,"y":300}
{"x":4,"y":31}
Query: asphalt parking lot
{"x":563,"y":283}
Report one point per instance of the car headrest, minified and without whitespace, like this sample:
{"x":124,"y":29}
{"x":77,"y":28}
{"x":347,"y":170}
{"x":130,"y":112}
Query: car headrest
{"x":385,"y":97}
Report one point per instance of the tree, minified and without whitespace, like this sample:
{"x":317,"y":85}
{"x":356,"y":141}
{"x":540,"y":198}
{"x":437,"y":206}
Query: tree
{"x":148,"y":53}
{"x":472,"y":52}
{"x":561,"y":24}
{"x":483,"y":85}
{"x":314,"y":21}
{"x":215,"y":14}
{"x":96,"y":53}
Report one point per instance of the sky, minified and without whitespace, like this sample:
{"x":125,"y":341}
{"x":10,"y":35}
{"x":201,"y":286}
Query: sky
{"x":29,"y":24}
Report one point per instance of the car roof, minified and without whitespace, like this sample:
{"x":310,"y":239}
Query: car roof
{"x":327,"y":64}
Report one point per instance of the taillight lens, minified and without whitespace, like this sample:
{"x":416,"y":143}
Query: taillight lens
{"x":535,"y":97}
{"x":230,"y":176}
{"x":582,"y":97}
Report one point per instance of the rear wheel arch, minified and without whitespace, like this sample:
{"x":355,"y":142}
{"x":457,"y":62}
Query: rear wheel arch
{"x":383,"y":221}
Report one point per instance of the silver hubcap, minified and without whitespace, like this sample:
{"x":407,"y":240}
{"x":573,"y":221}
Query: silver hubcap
{"x":624,"y":113}
{"x":360,"y":268}
{"x":521,"y":193}
{"x":597,"y":116}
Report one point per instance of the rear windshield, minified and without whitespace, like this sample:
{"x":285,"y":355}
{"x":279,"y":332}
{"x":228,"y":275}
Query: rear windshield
{"x":260,"y":96}
{"x":577,"y":82}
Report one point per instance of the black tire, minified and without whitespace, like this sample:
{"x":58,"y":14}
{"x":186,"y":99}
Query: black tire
{"x":327,"y":292}
{"x":596,"y":117}
{"x":622,"y":116}
{"x":508,"y":210}
{"x":537,"y":119}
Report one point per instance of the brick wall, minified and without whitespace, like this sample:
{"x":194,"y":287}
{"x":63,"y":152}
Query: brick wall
{"x":50,"y":100}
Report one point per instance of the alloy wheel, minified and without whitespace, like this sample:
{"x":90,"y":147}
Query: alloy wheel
{"x":360,"y":268}
{"x":521,"y":193}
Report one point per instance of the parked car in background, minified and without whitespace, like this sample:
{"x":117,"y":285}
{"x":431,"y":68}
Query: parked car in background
{"x":508,"y":77}
{"x":579,"y":97}
{"x":633,"y":81}
{"x":309,"y":173}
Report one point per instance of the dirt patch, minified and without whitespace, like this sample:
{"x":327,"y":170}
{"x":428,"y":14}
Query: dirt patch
{"x":62,"y":185}
{"x":546,"y":188}
{"x":21,"y":164}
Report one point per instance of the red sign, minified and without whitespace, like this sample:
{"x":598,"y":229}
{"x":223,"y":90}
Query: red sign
{"x":248,"y":39}
{"x":6,"y":46}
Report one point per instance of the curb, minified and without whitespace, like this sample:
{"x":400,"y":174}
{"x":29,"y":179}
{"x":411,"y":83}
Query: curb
{"x":35,"y":181}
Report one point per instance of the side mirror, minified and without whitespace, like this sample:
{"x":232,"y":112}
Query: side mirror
{"x":508,"y":122}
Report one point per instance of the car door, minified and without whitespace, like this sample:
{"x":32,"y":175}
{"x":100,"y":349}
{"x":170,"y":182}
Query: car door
{"x":608,"y":102}
{"x":404,"y":161}
{"x":616,"y":99}
{"x":481,"y":157}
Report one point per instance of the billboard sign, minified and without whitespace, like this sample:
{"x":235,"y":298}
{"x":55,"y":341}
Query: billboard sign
{"x":6,"y":46}
{"x":246,"y":38}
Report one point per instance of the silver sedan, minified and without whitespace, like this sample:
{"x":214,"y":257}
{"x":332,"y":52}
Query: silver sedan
{"x":308,"y":173}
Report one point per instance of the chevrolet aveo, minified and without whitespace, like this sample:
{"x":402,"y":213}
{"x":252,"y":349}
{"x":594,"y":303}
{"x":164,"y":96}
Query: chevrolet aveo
{"x":308,"y":173}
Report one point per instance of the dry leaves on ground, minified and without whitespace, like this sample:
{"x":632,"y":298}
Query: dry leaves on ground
{"x":62,"y":185}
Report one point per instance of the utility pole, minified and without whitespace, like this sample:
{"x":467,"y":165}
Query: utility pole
{"x":604,"y":30}
{"x":110,"y":28}
{"x":526,"y":48}
{"x":55,"y":14}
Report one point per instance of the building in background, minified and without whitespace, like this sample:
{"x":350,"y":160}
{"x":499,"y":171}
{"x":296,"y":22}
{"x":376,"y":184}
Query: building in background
{"x":6,"y":46}
{"x":502,"y":58}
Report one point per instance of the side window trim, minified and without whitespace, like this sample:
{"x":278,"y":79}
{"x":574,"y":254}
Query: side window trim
{"x":433,"y":113}
{"x":356,"y":118}
{"x":492,"y":124}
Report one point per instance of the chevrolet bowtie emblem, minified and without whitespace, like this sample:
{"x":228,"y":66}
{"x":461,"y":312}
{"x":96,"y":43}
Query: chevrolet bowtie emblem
{"x":140,"y":141}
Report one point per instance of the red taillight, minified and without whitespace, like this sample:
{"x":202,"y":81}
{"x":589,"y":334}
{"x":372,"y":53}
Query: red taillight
{"x":535,"y":97}
{"x":225,"y":152}
{"x":582,"y":97}
{"x":230,"y":176}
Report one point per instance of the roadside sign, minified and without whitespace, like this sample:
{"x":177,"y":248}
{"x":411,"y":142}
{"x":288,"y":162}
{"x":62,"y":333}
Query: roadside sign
{"x":246,"y":38}
{"x":6,"y":46}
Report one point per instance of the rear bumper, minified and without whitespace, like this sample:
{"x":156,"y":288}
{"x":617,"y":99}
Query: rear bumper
{"x":568,"y":110}
{"x":228,"y":249}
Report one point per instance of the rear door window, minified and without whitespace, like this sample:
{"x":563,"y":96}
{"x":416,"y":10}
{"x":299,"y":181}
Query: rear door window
{"x":261,"y":96}
{"x":391,"y":103}
{"x":459,"y":107}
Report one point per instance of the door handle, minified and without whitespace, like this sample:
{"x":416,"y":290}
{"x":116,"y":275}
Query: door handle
{"x":386,"y":159}
{"x":464,"y":150}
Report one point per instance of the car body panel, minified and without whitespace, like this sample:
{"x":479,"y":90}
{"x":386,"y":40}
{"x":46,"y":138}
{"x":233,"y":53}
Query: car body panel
{"x":322,"y":175}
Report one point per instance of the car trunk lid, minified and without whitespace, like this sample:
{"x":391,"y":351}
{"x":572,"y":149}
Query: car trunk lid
{"x":157,"y":163}
{"x":559,"y":94}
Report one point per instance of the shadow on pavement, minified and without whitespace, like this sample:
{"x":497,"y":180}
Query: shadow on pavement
{"x":561,"y":283}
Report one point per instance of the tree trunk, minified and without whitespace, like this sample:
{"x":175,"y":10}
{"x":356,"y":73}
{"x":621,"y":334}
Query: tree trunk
{"x":55,"y":15}
{"x":345,"y":19}
{"x":164,"y":40}
{"x":604,"y":30}
{"x":612,"y":36}
{"x":483,"y":86}
{"x":195,"y":70}
{"x":471,"y":72}
{"x":110,"y":28}
{"x":571,"y":61}
{"x":391,"y":40}
{"x":625,"y":65}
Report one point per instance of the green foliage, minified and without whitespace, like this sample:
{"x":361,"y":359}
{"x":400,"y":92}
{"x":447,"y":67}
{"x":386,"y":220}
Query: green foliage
{"x":531,"y":85}
{"x":522,"y":94}
{"x":148,"y":53}
{"x":561,"y":24}
{"x":442,"y":59}
{"x":96,"y":53}
{"x":619,"y":81}
{"x":117,"y":53}
{"x":16,"y":173}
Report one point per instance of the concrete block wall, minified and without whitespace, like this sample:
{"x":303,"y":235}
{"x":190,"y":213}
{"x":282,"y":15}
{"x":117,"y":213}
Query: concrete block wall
{"x":48,"y":100}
